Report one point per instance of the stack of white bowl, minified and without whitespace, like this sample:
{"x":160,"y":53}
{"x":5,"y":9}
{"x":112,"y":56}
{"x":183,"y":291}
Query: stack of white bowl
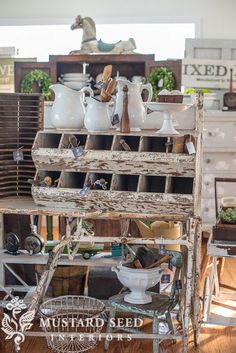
{"x":75,"y":80}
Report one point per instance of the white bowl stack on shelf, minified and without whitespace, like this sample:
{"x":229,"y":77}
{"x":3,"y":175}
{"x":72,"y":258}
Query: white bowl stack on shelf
{"x":75,"y":80}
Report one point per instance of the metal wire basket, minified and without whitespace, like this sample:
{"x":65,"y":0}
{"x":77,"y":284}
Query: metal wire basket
{"x":72,"y":323}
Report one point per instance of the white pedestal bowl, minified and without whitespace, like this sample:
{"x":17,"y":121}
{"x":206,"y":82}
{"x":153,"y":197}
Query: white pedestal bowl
{"x":138,"y":281}
{"x":167,"y":109}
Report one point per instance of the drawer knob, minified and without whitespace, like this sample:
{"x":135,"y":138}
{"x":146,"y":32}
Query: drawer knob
{"x":210,"y":134}
{"x":207,"y":183}
{"x":208,"y":160}
{"x":206,"y":209}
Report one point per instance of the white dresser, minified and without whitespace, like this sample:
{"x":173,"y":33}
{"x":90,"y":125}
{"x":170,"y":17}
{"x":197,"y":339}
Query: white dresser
{"x":219,"y":160}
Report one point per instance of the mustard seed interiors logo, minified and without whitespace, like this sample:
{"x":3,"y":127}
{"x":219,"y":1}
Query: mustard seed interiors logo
{"x":15,"y":326}
{"x":63,"y":332}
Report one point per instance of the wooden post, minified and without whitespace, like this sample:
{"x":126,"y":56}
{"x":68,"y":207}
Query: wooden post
{"x":124,"y":123}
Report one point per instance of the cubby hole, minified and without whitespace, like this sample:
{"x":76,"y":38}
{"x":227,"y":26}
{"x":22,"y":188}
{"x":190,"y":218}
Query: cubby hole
{"x":92,"y":177}
{"x":181,"y":185}
{"x":81,"y":140}
{"x":47,"y":140}
{"x":179,"y":143}
{"x":72,"y":180}
{"x":152,"y":184}
{"x":53,"y":174}
{"x":132,"y":142}
{"x":121,"y":182}
{"x":99,"y":142}
{"x":153,"y":144}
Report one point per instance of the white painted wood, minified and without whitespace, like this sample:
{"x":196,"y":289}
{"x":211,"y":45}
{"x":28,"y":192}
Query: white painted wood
{"x":148,"y":163}
{"x":114,"y":201}
{"x":203,"y":48}
{"x":215,"y":162}
{"x":223,"y":189}
{"x":40,"y":259}
{"x":219,"y":160}
{"x":145,"y":132}
{"x":208,"y":211}
{"x":219,"y":134}
{"x":218,"y":249}
{"x":28,"y":207}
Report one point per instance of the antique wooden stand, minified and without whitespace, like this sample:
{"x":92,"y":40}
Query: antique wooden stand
{"x":149,"y":183}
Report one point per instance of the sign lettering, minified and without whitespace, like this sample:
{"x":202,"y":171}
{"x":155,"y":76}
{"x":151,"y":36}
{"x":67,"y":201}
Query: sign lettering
{"x":201,"y":73}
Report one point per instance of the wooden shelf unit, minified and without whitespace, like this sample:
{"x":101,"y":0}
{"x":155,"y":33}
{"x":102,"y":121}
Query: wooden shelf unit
{"x":51,"y":153}
{"x":127,"y":65}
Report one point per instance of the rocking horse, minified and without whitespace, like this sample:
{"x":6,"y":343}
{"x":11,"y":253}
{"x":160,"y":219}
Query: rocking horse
{"x":90,"y":44}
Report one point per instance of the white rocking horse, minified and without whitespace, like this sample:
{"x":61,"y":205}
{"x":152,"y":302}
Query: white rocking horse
{"x":90,"y":44}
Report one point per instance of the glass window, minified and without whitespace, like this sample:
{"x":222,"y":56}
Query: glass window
{"x":165,"y":40}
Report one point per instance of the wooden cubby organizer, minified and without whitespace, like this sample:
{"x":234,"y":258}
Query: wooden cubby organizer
{"x":149,"y":178}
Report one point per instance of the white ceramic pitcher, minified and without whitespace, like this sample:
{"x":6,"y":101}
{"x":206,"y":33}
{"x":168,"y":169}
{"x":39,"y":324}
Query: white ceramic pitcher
{"x":136,"y":109}
{"x":97,"y":116}
{"x":68,"y":110}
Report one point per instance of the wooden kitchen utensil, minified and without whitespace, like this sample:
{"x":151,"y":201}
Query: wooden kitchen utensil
{"x":124,"y":122}
{"x":106,"y":73}
{"x":106,"y":93}
{"x":125,"y":145}
{"x":230,"y":97}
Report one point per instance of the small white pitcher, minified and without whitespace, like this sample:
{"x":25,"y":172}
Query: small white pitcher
{"x":68,"y":110}
{"x":97,"y":116}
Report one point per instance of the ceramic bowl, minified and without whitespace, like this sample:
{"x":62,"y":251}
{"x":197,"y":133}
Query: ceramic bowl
{"x":75,"y":75}
{"x":138,"y":281}
{"x":77,"y":85}
{"x":76,"y":79}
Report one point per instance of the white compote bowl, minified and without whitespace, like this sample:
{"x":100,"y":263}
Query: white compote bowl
{"x":167,"y":109}
{"x":138,"y":281}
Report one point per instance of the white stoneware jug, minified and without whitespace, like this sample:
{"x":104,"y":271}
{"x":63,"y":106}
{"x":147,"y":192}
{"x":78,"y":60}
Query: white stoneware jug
{"x":136,"y":109}
{"x":97,"y":116}
{"x":68,"y":110}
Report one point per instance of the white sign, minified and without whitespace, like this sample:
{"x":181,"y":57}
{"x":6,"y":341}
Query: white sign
{"x":204,"y":73}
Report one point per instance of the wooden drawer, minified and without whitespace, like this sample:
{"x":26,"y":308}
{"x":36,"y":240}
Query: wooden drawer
{"x":224,"y":162}
{"x":219,"y":134}
{"x":224,"y":189}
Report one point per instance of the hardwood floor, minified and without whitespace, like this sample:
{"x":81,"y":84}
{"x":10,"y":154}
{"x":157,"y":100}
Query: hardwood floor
{"x":213,"y":339}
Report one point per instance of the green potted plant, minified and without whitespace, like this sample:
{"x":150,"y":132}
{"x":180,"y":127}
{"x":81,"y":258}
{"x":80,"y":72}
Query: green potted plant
{"x":161,"y":78}
{"x":37,"y":81}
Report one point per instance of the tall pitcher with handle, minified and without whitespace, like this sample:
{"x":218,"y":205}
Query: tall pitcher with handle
{"x":68,"y":110}
{"x":136,"y":109}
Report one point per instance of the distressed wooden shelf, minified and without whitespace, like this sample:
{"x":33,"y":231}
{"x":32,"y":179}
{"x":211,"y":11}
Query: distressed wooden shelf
{"x":149,"y":178}
{"x":26,"y":206}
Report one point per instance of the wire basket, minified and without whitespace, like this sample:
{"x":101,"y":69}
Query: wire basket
{"x":63,"y":317}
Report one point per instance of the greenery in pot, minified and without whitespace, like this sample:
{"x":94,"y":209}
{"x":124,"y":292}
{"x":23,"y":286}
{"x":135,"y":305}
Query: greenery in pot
{"x":161,"y":78}
{"x":228,"y":215}
{"x":191,"y":90}
{"x":37,"y":77}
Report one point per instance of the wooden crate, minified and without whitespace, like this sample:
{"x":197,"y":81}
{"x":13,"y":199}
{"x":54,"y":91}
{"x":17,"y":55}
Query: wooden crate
{"x":21,"y":116}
